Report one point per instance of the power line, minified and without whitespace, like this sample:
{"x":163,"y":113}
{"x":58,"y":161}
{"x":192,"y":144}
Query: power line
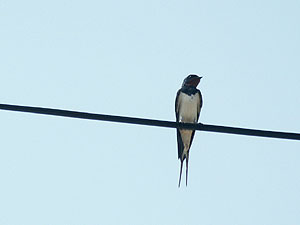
{"x":150,"y":122}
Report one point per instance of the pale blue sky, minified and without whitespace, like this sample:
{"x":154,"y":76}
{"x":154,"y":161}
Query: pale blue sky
{"x":129,"y":58}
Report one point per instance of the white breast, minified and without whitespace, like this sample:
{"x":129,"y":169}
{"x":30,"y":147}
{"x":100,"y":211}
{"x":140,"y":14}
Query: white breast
{"x":189,"y":105}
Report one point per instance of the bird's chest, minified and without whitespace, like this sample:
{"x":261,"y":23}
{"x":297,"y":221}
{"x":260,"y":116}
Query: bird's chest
{"x":188,"y":109}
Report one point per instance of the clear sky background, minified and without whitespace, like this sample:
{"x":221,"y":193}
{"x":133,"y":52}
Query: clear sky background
{"x":130,"y":58}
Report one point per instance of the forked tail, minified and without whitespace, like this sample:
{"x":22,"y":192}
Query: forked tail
{"x":186,"y":172}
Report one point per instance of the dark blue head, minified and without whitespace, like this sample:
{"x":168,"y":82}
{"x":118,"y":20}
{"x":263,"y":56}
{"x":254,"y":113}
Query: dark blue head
{"x":191,"y":80}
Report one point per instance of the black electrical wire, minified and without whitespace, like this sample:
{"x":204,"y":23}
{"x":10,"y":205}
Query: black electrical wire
{"x":150,"y":122}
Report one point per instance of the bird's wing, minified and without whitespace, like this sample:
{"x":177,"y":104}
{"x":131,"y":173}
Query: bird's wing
{"x":179,"y":139}
{"x":179,"y":144}
{"x":200,"y":103}
{"x":199,"y":106}
{"x":177,"y":105}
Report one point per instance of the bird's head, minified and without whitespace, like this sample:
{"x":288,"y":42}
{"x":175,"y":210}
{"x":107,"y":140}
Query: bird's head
{"x":191,"y":80}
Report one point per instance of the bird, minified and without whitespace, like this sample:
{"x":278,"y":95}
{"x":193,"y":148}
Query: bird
{"x":188,"y":104}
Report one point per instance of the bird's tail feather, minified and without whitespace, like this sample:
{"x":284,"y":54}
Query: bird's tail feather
{"x":180,"y":172}
{"x":187,"y":168}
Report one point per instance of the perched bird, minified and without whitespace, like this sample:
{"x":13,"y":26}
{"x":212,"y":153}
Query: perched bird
{"x":188,"y":104}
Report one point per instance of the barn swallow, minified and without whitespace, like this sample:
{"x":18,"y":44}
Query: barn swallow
{"x":188,"y":104}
